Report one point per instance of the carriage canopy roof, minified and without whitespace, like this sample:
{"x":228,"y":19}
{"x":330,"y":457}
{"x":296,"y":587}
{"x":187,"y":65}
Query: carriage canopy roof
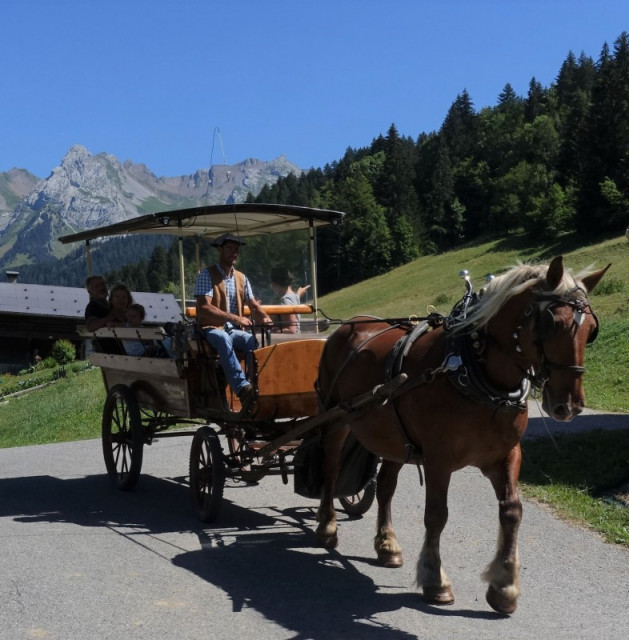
{"x":245,"y":219}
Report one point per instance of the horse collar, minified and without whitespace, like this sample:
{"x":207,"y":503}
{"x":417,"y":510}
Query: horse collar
{"x":470,"y":378}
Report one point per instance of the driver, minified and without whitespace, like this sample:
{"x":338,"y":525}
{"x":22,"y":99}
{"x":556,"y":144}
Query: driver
{"x":221,"y":293}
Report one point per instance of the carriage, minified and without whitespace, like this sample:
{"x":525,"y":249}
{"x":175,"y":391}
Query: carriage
{"x":150,"y":398}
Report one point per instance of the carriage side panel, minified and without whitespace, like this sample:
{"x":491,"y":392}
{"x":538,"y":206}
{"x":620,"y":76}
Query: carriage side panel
{"x":155,"y":382}
{"x":286,"y":375}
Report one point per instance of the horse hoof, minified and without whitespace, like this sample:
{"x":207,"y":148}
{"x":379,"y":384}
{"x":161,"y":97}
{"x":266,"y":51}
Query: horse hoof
{"x":328,"y":542}
{"x":390,"y":560}
{"x":438,"y":595}
{"x":499,"y":602}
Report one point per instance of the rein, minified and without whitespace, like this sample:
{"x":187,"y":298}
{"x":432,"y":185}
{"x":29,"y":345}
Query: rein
{"x":353,"y":353}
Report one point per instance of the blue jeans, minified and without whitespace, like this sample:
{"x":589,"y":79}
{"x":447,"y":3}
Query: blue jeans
{"x":224,"y":344}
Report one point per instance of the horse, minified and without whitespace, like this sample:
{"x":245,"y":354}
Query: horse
{"x":462,"y":402}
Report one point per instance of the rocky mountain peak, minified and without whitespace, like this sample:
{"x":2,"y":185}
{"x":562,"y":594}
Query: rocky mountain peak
{"x":88,"y":190}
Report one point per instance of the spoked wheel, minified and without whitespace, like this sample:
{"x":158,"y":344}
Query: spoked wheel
{"x":122,"y":436}
{"x":207,"y":474}
{"x":359,"y":503}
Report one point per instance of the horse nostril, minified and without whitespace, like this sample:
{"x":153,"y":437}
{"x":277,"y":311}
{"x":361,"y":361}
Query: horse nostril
{"x":565,"y":412}
{"x":561,"y":412}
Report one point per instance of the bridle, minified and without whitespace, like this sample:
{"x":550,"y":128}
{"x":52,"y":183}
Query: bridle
{"x":545,"y":327}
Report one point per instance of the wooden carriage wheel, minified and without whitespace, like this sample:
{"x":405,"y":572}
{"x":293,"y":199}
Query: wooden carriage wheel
{"x":207,"y":474}
{"x":122,"y":437}
{"x":359,"y":503}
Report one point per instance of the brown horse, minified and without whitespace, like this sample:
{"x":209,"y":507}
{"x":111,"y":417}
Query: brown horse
{"x":464,"y":403}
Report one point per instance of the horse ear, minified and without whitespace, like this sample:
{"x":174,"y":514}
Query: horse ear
{"x":554,"y":274}
{"x":593,"y":279}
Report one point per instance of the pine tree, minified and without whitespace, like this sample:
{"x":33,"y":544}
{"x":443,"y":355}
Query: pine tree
{"x":536,"y":101}
{"x":157,"y":273}
{"x":606,"y":167}
{"x":459,"y":129}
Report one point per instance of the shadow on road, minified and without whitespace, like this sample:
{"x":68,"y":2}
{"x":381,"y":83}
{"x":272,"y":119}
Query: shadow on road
{"x":263,"y":559}
{"x":539,"y":427}
{"x":317,"y":593}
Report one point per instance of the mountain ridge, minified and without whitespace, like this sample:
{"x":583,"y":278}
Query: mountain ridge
{"x":89,"y":190}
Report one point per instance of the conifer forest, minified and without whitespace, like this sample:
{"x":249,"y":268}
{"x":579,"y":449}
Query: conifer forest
{"x":553,"y":161}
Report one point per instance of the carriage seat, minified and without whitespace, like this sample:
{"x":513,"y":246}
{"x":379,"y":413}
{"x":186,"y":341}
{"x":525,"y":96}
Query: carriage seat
{"x":199,"y":346}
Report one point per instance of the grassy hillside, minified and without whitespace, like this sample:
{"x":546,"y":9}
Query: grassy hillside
{"x":434,"y":280}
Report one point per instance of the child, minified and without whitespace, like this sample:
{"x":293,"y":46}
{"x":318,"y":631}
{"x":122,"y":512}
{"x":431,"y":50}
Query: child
{"x":135,"y":318}
{"x":151,"y":348}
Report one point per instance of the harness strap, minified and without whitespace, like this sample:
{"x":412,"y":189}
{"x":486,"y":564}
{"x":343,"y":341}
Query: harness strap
{"x":413,"y":454}
{"x":325,"y":401}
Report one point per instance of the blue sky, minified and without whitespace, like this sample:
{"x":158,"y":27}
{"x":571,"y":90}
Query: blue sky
{"x":152,"y":80}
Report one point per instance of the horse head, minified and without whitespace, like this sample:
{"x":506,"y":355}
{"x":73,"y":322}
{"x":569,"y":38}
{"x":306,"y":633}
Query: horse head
{"x":538,"y":321}
{"x":562,"y":324}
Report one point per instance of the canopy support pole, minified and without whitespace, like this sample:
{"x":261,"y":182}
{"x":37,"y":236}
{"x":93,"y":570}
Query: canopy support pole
{"x":88,"y":258}
{"x":313,"y":272}
{"x":182,"y":275}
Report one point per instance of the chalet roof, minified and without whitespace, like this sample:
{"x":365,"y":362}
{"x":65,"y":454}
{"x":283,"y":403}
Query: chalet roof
{"x":70,"y":302}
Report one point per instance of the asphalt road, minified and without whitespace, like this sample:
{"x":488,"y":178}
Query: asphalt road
{"x":81,"y":560}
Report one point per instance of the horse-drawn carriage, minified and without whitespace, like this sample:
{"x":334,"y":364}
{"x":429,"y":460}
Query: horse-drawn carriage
{"x":442,"y":392}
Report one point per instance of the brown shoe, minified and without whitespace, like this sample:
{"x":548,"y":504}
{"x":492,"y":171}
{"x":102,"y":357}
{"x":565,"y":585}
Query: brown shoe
{"x":247,"y":398}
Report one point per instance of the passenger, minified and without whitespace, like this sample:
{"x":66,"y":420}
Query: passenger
{"x":281,"y":281}
{"x":120,"y":299}
{"x":221,"y":293}
{"x":135,"y":317}
{"x":150,"y":348}
{"x":97,"y":311}
{"x":99,"y":314}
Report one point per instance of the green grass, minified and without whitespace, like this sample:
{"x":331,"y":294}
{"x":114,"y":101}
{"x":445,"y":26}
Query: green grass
{"x":607,"y":364}
{"x":69,"y":409}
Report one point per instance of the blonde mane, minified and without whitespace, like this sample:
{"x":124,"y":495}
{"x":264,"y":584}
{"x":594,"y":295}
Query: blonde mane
{"x":516,"y":280}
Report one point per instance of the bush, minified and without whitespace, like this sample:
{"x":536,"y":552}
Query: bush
{"x":46,"y":363}
{"x":63,"y":352}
